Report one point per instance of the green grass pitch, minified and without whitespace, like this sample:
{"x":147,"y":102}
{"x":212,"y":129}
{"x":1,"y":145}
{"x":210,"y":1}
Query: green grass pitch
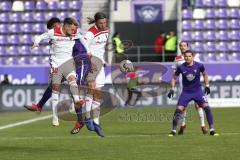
{"x":131,"y":134}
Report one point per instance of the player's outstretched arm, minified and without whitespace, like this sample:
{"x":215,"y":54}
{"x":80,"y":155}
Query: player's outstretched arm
{"x":45,"y":36}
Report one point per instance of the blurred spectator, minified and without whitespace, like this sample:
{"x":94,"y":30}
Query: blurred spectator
{"x":159,"y":43}
{"x":5,"y":80}
{"x":118,"y":48}
{"x":170,"y":47}
{"x":17,"y":6}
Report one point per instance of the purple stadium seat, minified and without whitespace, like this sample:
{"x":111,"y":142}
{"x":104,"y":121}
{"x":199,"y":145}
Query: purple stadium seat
{"x":15,"y":28}
{"x":14,"y":39}
{"x":3,"y":28}
{"x":234,"y":46}
{"x":41,"y":5}
{"x":46,"y":49}
{"x":6,"y":5}
{"x":16,"y":17}
{"x":13,"y":50}
{"x":4,"y":17}
{"x":223,"y":46}
{"x":76,"y":15}
{"x":198,"y":36}
{"x":209,"y":3}
{"x":222,"y":35}
{"x":186,"y":14}
{"x":209,"y":13}
{"x":27,"y":39}
{"x":51,"y":14}
{"x":37,"y":51}
{"x":210,"y":36}
{"x":28,"y":17}
{"x":198,"y":25}
{"x":222,"y":13}
{"x":233,"y":13}
{"x":234,"y":57}
{"x":234,"y":35}
{"x":234,"y":24}
{"x":3,"y":61}
{"x":34,"y":60}
{"x":198,"y":47}
{"x":24,"y":61}
{"x":45,"y":60}
{"x":222,"y":3}
{"x":63,"y":15}
{"x":25,"y":50}
{"x":76,"y":4}
{"x":12,"y":61}
{"x":40,"y":17}
{"x":3,"y":40}
{"x":3,"y":50}
{"x":210,"y":47}
{"x":29,"y":5}
{"x":53,"y":5}
{"x":222,"y":57}
{"x":199,"y":56}
{"x":39,"y":27}
{"x":64,"y":4}
{"x":198,"y":4}
{"x":27,"y":28}
{"x":210,"y":24}
{"x":186,"y":36}
{"x":186,"y":25}
{"x":210,"y":57}
{"x":222,"y":24}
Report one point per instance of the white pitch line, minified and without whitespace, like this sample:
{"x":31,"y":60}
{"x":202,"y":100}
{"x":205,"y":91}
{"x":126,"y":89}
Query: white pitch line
{"x":25,"y":122}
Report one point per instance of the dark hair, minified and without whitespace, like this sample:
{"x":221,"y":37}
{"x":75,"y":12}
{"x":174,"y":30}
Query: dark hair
{"x":52,"y":21}
{"x":115,"y":34}
{"x":183,"y":42}
{"x":70,"y":21}
{"x":188,"y":51}
{"x":97,"y":16}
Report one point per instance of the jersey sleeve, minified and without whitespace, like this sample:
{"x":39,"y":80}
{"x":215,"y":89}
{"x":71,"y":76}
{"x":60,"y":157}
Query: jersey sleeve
{"x":202,"y":68}
{"x":45,"y":36}
{"x":89,"y":36}
{"x":178,"y":71}
{"x":84,"y":43}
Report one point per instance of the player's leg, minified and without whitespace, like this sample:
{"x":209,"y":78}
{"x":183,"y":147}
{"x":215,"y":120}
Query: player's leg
{"x":201,"y":117}
{"x":129,"y":96}
{"x":182,"y":103}
{"x":183,"y":123}
{"x":201,"y":99}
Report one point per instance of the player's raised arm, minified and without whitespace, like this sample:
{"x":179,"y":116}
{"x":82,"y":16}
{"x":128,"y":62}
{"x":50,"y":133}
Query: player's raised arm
{"x":45,"y":36}
{"x":205,"y":79}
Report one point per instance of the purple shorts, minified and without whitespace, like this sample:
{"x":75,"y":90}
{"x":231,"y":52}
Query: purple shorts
{"x":186,"y":97}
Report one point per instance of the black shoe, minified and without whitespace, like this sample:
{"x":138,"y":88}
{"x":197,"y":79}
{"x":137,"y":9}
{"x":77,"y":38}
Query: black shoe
{"x":180,"y":132}
{"x":78,"y":126}
{"x":171,"y":134}
{"x":213,"y":133}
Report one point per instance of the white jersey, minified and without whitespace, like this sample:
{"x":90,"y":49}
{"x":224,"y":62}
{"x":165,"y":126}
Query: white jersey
{"x":180,"y":60}
{"x":97,"y":41}
{"x":61,"y":45}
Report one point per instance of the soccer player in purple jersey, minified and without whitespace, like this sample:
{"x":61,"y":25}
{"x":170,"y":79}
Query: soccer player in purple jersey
{"x":191,"y":72}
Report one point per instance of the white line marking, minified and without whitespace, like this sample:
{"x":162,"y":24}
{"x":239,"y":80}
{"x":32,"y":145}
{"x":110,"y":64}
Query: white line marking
{"x":25,"y":122}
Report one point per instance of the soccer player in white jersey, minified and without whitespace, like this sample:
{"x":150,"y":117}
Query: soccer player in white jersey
{"x":61,"y":61}
{"x":96,"y":38}
{"x":179,"y":59}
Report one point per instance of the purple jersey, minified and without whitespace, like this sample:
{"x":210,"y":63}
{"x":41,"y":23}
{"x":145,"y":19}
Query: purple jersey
{"x":191,"y":76}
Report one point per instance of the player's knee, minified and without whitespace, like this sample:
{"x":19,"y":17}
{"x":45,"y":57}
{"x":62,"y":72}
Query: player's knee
{"x":205,"y":105}
{"x":180,"y":108}
{"x":56,"y":87}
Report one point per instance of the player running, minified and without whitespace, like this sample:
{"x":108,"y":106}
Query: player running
{"x":191,"y":72}
{"x":96,"y":37}
{"x":183,"y":45}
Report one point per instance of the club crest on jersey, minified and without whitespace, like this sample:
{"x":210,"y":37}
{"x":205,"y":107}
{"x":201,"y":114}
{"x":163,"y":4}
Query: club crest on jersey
{"x":190,"y":77}
{"x":195,"y":70}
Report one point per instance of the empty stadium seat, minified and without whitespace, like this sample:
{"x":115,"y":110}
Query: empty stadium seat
{"x":234,"y":24}
{"x":222,"y":13}
{"x":27,"y":39}
{"x":29,"y":5}
{"x":221,"y":3}
{"x":12,"y":61}
{"x":233,"y":13}
{"x":40,"y":17}
{"x":39,"y":27}
{"x":13,"y":50}
{"x":3,"y":28}
{"x":223,"y":46}
{"x":210,"y":36}
{"x":14,"y":39}
{"x":41,"y":5}
{"x":25,"y":50}
{"x":198,"y":4}
{"x":3,"y":50}
{"x":186,"y":25}
{"x":3,"y":40}
{"x":63,"y":5}
{"x":53,"y":5}
{"x":27,"y":28}
{"x":6,"y":5}
{"x":76,"y":15}
{"x":198,"y":25}
{"x":63,"y":15}
{"x":24,"y":61}
{"x":51,"y":14}
{"x":234,"y":56}
{"x":198,"y":47}
{"x":210,"y":47}
{"x":187,"y":36}
{"x":4,"y":17}
{"x":15,"y":28}
{"x":209,"y":3}
{"x":210,"y":24}
{"x":75,"y":4}
{"x":222,"y":24}
{"x":186,"y":14}
{"x":36,"y":60}
{"x":16,"y":17}
{"x":234,"y":35}
{"x":234,"y":46}
{"x":198,"y":36}
{"x":28,"y":17}
{"x":210,"y":57}
{"x":222,"y":57}
{"x":222,"y":35}
{"x":209,"y":13}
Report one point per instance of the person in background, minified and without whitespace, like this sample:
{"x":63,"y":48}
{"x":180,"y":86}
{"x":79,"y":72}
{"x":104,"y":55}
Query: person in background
{"x":170,"y":47}
{"x":5,"y":80}
{"x":118,"y":48}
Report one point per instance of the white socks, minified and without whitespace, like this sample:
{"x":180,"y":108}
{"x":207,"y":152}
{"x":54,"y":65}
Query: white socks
{"x":55,"y":99}
{"x":96,"y":111}
{"x":184,"y":114}
{"x":201,"y":116}
{"x":89,"y":101}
